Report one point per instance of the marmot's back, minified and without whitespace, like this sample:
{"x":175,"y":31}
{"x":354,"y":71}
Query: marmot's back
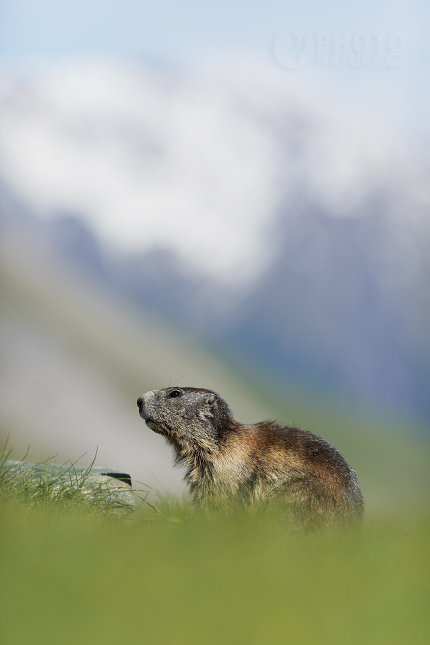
{"x":229,"y":464}
{"x":301,"y":467}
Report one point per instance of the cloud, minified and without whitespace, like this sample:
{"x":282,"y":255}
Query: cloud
{"x":198,"y":161}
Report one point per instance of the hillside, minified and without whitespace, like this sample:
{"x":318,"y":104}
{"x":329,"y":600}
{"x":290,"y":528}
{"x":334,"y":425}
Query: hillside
{"x":74,"y":360}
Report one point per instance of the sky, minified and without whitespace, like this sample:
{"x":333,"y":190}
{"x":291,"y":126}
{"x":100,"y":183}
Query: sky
{"x":187,"y":28}
{"x":91,"y":118}
{"x":187,"y":32}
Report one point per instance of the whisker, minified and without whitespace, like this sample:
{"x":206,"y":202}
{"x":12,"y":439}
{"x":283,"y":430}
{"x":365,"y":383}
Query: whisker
{"x":180,"y":378}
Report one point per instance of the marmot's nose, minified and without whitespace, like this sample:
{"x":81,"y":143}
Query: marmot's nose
{"x":139,"y":401}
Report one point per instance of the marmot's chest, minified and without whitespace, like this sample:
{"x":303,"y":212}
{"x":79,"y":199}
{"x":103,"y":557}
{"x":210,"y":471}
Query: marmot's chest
{"x":233,"y":464}
{"x":222,"y":474}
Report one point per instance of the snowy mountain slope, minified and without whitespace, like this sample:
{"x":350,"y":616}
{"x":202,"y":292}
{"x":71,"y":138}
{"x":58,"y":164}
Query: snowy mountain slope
{"x":246,"y":208}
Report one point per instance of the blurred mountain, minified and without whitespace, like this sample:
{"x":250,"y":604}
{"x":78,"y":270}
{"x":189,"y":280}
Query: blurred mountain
{"x":317,"y":316}
{"x":254,"y":215}
{"x":75,"y":354}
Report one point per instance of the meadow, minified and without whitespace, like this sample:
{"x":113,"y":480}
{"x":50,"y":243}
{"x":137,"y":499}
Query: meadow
{"x":72,"y":572}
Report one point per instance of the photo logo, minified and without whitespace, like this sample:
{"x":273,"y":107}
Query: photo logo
{"x":296,"y":49}
{"x":293,"y":49}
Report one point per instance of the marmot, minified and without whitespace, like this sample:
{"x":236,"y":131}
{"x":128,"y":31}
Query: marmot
{"x":230,"y":465}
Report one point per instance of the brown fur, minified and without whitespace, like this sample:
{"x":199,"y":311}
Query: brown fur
{"x":232,"y":465}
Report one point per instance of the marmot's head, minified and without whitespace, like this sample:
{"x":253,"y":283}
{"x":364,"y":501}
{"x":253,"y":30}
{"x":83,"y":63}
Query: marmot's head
{"x":186,"y":415}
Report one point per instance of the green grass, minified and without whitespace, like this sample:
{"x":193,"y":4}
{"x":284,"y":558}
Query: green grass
{"x":181,"y":578}
{"x":34,"y":486}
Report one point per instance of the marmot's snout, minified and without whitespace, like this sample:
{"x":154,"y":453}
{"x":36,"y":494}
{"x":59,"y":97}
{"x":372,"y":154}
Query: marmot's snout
{"x":145,"y":403}
{"x":141,"y":406}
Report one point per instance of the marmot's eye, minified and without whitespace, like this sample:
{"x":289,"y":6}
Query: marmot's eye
{"x":174,"y":393}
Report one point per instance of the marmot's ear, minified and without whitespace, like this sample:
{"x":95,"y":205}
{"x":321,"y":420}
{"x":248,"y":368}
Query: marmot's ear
{"x":209,"y":399}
